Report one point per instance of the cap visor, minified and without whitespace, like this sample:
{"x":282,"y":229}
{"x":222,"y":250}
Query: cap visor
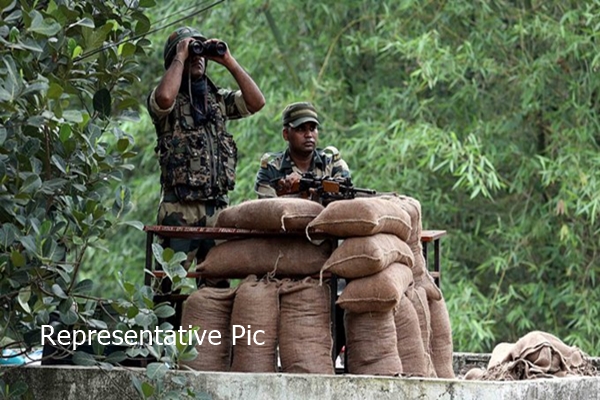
{"x":300,"y":121}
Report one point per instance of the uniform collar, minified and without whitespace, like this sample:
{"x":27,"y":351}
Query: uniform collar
{"x":317,"y":160}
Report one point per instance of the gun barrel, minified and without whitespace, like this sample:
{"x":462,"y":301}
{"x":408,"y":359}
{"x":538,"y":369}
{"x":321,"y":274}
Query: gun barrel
{"x":365,"y":191}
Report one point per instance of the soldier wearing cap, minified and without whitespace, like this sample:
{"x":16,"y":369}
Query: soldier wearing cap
{"x":301,"y":131}
{"x":197,"y":155}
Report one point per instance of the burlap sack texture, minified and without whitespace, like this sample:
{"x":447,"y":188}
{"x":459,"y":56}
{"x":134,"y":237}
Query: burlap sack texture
{"x":279,"y":256}
{"x":357,"y":257}
{"x":276,"y":214}
{"x":415,"y":360}
{"x":420,"y":272}
{"x":371,"y":344}
{"x":362,"y":217}
{"x":418,"y":298}
{"x":536,"y":355}
{"x":305,"y":341}
{"x":210,"y":309}
{"x":441,"y":339}
{"x":377,"y":293}
{"x":256,"y":305}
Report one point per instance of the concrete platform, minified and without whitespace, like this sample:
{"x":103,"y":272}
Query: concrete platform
{"x":70,"y":382}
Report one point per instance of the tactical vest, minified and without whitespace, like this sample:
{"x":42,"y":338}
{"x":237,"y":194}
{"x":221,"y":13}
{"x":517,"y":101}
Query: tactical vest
{"x":197,"y":163}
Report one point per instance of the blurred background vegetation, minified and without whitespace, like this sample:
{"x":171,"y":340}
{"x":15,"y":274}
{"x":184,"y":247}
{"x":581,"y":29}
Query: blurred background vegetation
{"x":486,"y":112}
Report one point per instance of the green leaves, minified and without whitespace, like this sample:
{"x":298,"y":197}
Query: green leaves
{"x":45,"y":27}
{"x":102,"y":102}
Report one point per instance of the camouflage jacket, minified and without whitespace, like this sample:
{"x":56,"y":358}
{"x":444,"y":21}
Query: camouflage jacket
{"x":274,"y":166}
{"x":197,"y":162}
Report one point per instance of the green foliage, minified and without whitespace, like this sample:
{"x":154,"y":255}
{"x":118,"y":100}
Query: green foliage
{"x":66,"y":75}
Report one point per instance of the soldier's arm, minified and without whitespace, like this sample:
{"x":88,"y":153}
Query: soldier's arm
{"x":252,"y":95}
{"x":263,"y":187}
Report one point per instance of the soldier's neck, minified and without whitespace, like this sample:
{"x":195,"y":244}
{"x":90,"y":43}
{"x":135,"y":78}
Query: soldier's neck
{"x":302,"y":161}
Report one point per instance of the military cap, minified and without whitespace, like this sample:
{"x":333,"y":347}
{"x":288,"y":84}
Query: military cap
{"x":296,"y":114}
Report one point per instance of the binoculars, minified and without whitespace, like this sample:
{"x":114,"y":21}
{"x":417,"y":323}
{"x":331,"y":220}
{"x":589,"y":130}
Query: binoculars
{"x":199,"y":48}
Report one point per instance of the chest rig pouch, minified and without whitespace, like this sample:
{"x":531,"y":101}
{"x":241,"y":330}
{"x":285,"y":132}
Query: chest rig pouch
{"x":197,"y":162}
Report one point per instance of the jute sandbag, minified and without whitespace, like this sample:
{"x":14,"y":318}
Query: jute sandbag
{"x":420,"y":271}
{"x":536,"y":355}
{"x":363,"y":256}
{"x":362,"y":217}
{"x":305,"y":341}
{"x":371,"y":344}
{"x":256,"y":305}
{"x":210,"y":309}
{"x":282,"y":256}
{"x":410,"y":345}
{"x":441,"y":339}
{"x":280,"y":213}
{"x":418,"y":298}
{"x":378,"y":292}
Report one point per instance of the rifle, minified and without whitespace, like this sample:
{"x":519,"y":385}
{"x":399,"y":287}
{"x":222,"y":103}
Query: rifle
{"x":324,"y":189}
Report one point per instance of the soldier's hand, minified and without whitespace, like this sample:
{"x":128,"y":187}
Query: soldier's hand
{"x":289,"y":183}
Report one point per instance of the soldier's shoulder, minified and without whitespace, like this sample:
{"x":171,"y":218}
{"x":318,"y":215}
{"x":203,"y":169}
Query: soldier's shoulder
{"x":332,"y":152}
{"x":272,"y":158}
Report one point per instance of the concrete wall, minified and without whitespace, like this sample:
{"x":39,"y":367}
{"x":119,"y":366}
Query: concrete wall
{"x":69,"y":382}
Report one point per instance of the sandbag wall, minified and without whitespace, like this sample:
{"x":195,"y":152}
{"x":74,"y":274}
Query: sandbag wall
{"x":395,"y":318}
{"x":283,"y":318}
{"x":259,"y":321}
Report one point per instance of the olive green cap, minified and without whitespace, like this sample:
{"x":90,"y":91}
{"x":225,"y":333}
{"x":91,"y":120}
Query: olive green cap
{"x":296,"y":114}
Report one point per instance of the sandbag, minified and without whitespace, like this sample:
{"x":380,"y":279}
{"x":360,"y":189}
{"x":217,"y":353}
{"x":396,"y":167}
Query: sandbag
{"x":420,"y":271}
{"x":256,"y":305}
{"x":210,"y":309}
{"x":378,"y":292}
{"x":441,"y":339}
{"x":274,"y":214}
{"x":538,"y":354}
{"x":357,"y":257}
{"x":281,"y":256}
{"x":418,"y":298}
{"x":410,"y":345}
{"x":362,"y":217}
{"x":305,"y":341}
{"x":371,"y":344}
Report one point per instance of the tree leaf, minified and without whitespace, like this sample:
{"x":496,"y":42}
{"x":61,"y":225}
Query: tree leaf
{"x":46,"y":27}
{"x":102,"y":102}
{"x":156,"y":371}
{"x":85,"y":359}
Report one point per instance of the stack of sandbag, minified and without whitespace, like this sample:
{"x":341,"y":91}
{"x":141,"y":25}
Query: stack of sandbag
{"x":428,"y":300}
{"x":294,"y":314}
{"x":278,"y":256}
{"x":389,"y":281}
{"x":264,"y":315}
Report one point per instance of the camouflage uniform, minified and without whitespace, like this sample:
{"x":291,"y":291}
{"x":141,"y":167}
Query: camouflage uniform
{"x":197,"y":163}
{"x":275,"y":166}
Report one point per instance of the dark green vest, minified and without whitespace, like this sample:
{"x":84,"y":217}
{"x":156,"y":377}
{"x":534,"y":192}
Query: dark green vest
{"x":197,"y":162}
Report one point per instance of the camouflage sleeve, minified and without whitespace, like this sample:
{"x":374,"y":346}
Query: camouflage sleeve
{"x":339,"y":168}
{"x":266,"y":174}
{"x":156,"y":112}
{"x":235,"y":106}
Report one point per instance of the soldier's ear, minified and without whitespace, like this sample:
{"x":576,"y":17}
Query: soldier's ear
{"x":284,"y":133}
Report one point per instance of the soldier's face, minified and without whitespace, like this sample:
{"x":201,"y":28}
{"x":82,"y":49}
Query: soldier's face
{"x":197,"y":67}
{"x":303,"y":138}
